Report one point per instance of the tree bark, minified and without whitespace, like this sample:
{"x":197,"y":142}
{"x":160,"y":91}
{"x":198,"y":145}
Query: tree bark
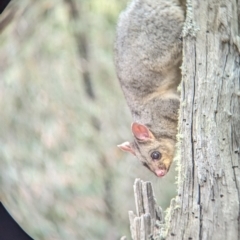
{"x":207,"y":205}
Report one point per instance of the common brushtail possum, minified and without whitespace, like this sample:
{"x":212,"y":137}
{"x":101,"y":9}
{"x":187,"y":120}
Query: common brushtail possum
{"x":148,"y":56}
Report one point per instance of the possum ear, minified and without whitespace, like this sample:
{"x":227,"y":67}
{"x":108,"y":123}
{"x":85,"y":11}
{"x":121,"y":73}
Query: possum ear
{"x":141,"y":132}
{"x":126,"y":146}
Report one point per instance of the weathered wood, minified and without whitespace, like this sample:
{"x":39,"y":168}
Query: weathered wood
{"x":123,"y":238}
{"x":207,"y":206}
{"x":145,"y":224}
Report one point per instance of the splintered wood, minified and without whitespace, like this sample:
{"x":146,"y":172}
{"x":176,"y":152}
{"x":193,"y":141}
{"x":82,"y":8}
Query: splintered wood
{"x":145,"y":224}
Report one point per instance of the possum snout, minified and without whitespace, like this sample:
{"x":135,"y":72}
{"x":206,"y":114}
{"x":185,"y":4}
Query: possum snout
{"x":160,"y":172}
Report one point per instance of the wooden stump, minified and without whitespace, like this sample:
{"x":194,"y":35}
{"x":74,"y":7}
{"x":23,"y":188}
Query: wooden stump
{"x":148,"y":221}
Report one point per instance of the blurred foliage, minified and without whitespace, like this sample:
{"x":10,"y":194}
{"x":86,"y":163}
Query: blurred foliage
{"x":62,"y":176}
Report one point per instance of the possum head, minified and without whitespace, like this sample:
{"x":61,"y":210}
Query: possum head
{"x":155,"y":154}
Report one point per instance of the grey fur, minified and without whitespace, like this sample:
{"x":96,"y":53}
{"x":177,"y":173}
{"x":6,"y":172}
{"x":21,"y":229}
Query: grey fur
{"x":148,"y":56}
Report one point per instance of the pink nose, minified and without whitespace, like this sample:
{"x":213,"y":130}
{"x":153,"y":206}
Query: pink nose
{"x":160,"y":172}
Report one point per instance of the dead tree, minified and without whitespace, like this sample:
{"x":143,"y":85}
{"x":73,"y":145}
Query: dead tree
{"x":207,"y":204}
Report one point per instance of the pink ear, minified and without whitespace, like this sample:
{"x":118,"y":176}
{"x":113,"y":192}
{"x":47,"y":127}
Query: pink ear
{"x":141,"y":132}
{"x":126,"y":147}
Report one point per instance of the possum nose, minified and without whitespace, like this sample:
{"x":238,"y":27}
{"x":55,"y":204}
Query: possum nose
{"x":160,"y":172}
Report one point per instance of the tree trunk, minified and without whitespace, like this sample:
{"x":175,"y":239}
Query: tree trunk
{"x":207,"y":205}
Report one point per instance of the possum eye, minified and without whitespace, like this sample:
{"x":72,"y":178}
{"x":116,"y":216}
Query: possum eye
{"x":156,"y":155}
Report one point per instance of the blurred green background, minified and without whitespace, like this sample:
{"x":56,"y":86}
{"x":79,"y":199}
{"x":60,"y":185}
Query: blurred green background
{"x":62,"y":115}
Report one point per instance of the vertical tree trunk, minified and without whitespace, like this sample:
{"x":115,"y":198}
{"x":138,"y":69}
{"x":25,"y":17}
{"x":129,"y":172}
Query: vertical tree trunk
{"x":82,"y":45}
{"x":207,"y":205}
{"x":77,"y":15}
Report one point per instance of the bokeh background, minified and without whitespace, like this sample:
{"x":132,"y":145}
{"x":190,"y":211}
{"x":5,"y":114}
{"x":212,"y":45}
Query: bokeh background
{"x":62,"y":115}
